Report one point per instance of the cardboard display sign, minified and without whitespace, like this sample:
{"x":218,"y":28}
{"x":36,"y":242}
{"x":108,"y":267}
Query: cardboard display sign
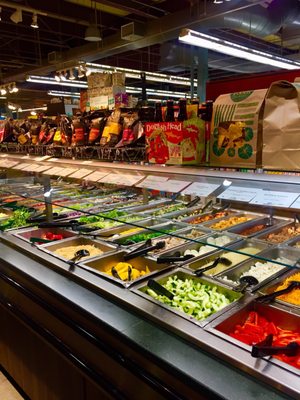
{"x":236,"y":130}
{"x":177,"y":143}
{"x":281,"y":127}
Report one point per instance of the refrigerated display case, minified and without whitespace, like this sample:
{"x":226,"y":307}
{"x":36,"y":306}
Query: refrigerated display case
{"x":103,"y":309}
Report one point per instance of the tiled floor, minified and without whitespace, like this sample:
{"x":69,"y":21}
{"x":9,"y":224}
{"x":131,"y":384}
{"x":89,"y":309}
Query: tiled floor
{"x":7,"y":391}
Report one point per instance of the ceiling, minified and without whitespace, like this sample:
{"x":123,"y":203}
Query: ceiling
{"x":270,"y":25}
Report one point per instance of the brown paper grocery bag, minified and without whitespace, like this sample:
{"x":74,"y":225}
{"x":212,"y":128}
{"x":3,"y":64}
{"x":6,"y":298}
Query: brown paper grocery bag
{"x":281,"y":127}
{"x":236,"y":130}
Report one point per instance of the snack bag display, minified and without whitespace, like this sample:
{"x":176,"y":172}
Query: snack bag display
{"x":236,"y":130}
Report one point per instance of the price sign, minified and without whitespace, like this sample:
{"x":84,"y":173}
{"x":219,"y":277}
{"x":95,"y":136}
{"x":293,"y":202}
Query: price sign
{"x":10,"y":164}
{"x":296,"y":203}
{"x":67,"y":171}
{"x":42,"y":158}
{"x":80,"y":173}
{"x":201,"y":189}
{"x":29,"y":168}
{"x":152,"y":181}
{"x":41,"y":168}
{"x":53,"y":171}
{"x":96,"y":176}
{"x":121,"y":179}
{"x":21,"y":166}
{"x":275,"y":198}
{"x":175,"y":186}
{"x":239,"y":193}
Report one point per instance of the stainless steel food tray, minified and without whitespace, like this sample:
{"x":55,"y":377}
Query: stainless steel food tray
{"x":253,"y":217}
{"x":27,"y":233}
{"x":98,"y":266}
{"x":77,"y":241}
{"x":226,"y":323}
{"x":188,"y":220}
{"x":276,"y":222}
{"x":238,"y":246}
{"x":267,"y":255}
{"x":202,"y":241}
{"x":144,"y":223}
{"x":141,"y":290}
{"x":272,"y":285}
{"x":263,"y":236}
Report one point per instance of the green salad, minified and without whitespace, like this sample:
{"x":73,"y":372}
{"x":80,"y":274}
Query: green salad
{"x":199,"y":300}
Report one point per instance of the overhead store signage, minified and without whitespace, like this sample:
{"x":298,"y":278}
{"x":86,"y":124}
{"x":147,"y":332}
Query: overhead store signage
{"x":239,"y":193}
{"x":275,"y":198}
{"x":201,"y":189}
{"x":122,"y":179}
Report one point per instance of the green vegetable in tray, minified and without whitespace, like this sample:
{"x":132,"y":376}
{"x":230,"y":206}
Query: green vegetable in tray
{"x":102,"y":217}
{"x":168,"y":209}
{"x":199,"y":300}
{"x":18,"y":218}
{"x":140,"y":237}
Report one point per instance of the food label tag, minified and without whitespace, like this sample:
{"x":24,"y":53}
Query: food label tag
{"x":96,"y":176}
{"x":272,"y":198}
{"x":21,"y":166}
{"x":296,"y":203}
{"x":201,"y":189}
{"x":80,"y":173}
{"x":175,"y":186}
{"x":152,"y":181}
{"x":41,"y":168}
{"x":121,"y":179}
{"x":53,"y":171}
{"x":239,"y":193}
{"x":67,"y":171}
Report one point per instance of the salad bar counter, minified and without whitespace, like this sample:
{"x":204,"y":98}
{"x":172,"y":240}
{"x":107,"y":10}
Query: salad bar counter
{"x":156,"y":296}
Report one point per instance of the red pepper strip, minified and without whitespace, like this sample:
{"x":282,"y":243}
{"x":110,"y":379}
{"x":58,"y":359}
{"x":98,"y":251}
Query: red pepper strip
{"x":271,"y":329}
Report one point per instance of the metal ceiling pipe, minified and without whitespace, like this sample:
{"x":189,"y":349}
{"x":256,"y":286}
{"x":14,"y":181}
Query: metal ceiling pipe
{"x":49,"y":14}
{"x":157,"y":31}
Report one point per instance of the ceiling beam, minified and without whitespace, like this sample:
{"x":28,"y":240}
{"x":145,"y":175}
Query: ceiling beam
{"x":128,"y":6}
{"x":156,"y":31}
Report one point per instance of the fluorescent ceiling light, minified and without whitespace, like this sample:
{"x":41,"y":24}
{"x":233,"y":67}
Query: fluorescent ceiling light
{"x":136,"y":74}
{"x":52,"y":81}
{"x":235,"y":50}
{"x":33,"y":109}
{"x":58,"y":93}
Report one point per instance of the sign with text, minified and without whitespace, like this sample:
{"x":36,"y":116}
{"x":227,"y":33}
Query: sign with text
{"x":239,"y":193}
{"x":201,"y":189}
{"x":275,"y":198}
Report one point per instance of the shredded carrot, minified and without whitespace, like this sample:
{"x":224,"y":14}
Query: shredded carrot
{"x":294,"y":296}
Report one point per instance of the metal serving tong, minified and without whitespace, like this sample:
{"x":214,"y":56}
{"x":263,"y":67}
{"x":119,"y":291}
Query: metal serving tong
{"x":265,"y":348}
{"x":222,"y":260}
{"x":176,"y":257}
{"x":220,"y":209}
{"x":267,"y":298}
{"x":159,"y":289}
{"x":193,"y":202}
{"x":60,"y":224}
{"x":144,"y":249}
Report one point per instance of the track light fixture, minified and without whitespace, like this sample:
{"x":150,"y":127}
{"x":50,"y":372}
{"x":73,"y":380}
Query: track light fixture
{"x":34,"y":23}
{"x":71,"y":74}
{"x":81,"y":73}
{"x":17,"y":16}
{"x":0,"y":13}
{"x":8,"y":87}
